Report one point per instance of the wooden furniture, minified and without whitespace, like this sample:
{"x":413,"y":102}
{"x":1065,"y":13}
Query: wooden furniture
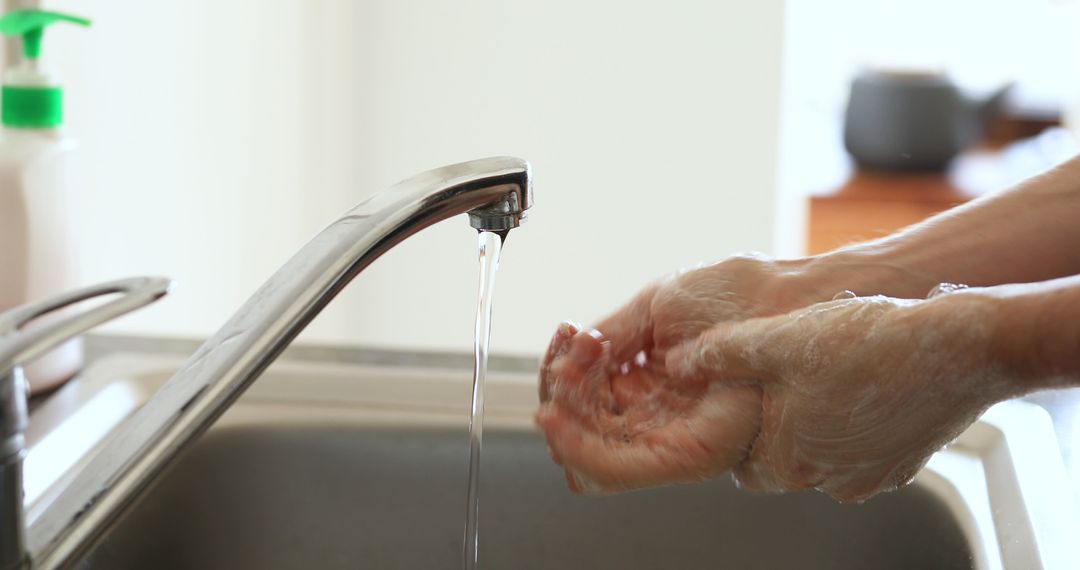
{"x":867,"y":204}
{"x":873,"y":204}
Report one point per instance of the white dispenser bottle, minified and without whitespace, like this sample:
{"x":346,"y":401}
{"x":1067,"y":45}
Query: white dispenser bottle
{"x":38,"y":256}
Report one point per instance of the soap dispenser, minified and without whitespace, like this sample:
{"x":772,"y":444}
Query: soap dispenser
{"x":38,"y":256}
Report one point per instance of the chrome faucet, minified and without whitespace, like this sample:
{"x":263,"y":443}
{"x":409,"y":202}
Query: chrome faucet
{"x":495,"y":192}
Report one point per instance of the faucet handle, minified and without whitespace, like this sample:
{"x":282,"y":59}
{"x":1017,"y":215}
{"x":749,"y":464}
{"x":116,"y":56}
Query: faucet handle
{"x":18,"y":346}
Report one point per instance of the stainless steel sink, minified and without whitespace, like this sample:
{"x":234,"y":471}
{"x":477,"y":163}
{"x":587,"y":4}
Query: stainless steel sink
{"x":324,"y":465}
{"x":328,"y":495}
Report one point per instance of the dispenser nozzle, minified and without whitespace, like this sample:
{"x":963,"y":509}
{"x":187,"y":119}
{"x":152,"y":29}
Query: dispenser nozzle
{"x":31,"y":24}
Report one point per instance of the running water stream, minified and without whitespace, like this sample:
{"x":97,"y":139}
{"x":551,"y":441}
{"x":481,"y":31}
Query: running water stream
{"x":490,"y":250}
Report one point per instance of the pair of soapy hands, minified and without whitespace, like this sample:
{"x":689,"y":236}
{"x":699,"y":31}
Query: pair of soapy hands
{"x":727,"y":367}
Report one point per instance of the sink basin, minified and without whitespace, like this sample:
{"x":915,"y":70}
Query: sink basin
{"x":324,"y":494}
{"x":324,"y":465}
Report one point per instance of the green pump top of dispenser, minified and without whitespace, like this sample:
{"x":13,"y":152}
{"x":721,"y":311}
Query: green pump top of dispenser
{"x":29,"y":98}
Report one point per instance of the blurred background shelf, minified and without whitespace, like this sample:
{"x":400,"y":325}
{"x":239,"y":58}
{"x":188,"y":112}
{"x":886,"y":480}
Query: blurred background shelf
{"x":865,"y":204}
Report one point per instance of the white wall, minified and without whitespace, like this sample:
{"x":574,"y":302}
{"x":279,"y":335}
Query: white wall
{"x":980,"y":44}
{"x":218,"y":141}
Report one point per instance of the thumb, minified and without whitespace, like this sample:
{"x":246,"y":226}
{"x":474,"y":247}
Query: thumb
{"x":629,"y":329}
{"x":727,"y":351}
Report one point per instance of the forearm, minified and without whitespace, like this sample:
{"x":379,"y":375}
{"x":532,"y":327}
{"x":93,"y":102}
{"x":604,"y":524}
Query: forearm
{"x":1026,"y":234}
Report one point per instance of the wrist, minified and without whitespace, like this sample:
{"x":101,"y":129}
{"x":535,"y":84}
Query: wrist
{"x":864,"y":270}
{"x":797,"y":283}
{"x":973,"y":325}
{"x":867,"y":269}
{"x":1033,"y":342}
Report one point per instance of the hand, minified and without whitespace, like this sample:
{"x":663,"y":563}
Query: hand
{"x":857,"y":393}
{"x":613,"y":415}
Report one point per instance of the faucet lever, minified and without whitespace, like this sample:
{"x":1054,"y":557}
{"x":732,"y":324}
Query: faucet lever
{"x":18,"y":346}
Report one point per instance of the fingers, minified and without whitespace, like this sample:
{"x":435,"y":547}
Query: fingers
{"x":857,"y":485}
{"x":760,"y":472}
{"x":578,"y":376}
{"x":776,"y":461}
{"x":569,"y":357}
{"x":755,"y":473}
{"x":629,"y":329}
{"x":574,"y":376}
{"x":790,"y":455}
{"x":560,"y":344}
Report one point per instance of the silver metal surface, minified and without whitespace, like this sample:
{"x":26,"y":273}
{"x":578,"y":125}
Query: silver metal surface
{"x":13,"y":391}
{"x":339,"y":495}
{"x":28,"y":344}
{"x":19,"y":345}
{"x":498,"y":189}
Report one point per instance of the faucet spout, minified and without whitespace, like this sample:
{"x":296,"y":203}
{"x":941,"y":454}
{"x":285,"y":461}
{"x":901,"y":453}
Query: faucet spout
{"x":495,"y":192}
{"x":504,"y":214}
